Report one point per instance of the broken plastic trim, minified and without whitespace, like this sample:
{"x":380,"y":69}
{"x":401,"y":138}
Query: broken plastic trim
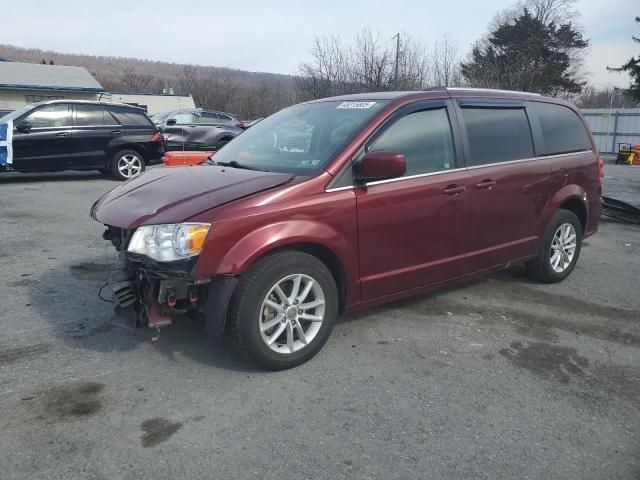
{"x":621,"y":211}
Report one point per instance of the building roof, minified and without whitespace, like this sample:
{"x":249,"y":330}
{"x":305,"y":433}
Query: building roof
{"x":34,"y":76}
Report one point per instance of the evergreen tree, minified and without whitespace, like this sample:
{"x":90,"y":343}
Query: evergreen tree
{"x":633,"y":68}
{"x":529,"y":55}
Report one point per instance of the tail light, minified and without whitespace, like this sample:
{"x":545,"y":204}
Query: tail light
{"x":157,"y":137}
{"x":600,"y":171}
{"x":240,"y":125}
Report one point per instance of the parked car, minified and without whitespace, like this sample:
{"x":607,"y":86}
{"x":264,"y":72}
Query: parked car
{"x":394,"y":194}
{"x":197,"y":129}
{"x":83,"y":135}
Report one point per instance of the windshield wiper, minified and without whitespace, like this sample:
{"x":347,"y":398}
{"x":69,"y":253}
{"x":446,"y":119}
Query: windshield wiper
{"x":235,"y":164}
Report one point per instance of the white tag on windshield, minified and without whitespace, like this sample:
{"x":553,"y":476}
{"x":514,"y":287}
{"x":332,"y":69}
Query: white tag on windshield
{"x":356,"y":105}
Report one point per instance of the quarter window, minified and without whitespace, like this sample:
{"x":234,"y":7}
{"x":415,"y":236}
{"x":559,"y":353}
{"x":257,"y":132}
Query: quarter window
{"x":50,"y":116}
{"x":562,"y":130}
{"x":131,"y":117}
{"x":497,"y":135}
{"x":425,"y":139}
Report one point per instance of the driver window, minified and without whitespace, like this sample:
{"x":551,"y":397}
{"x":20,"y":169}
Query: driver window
{"x":51,"y":116}
{"x":425,"y":139}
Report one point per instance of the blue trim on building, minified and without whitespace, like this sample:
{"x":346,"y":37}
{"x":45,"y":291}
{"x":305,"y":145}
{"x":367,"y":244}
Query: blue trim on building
{"x":5,"y":86}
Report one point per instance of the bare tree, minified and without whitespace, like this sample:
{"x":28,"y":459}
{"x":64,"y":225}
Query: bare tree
{"x":136,"y":82}
{"x":445,"y":62}
{"x":366,"y":64}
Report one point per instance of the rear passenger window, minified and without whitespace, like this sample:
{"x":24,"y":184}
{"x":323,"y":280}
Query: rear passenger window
{"x":207,"y":118}
{"x":89,"y":116}
{"x":497,"y":135}
{"x":562,"y":130}
{"x":131,"y":117}
{"x":423,"y":137}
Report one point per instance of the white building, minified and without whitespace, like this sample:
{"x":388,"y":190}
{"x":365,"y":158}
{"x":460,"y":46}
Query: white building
{"x":152,"y":103}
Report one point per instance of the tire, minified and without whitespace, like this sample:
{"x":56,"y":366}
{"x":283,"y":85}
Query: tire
{"x":222,"y":142}
{"x":123,"y":170}
{"x":544,"y":267}
{"x":248,"y":313}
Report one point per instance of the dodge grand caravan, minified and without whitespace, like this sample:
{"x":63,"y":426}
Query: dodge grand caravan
{"x":384,"y":195}
{"x":58,"y":135}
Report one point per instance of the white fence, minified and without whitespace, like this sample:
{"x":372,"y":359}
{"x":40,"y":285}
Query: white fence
{"x":612,"y":127}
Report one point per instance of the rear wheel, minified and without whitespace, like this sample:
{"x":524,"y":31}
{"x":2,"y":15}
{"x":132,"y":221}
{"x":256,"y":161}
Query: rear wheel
{"x":283,"y":310}
{"x":559,"y":250}
{"x":127,"y":164}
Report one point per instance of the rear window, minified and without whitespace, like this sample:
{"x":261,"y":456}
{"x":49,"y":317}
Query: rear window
{"x":497,"y":135}
{"x":562,"y":129}
{"x":131,"y":117}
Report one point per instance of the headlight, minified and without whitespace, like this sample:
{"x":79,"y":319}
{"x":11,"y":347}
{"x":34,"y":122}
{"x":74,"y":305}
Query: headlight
{"x":166,"y":243}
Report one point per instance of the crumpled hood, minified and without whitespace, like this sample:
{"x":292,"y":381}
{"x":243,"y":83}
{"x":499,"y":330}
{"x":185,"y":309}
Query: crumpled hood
{"x":171,"y":195}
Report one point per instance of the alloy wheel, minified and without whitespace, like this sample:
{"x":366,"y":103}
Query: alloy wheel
{"x":129,"y":165}
{"x":563,"y":247}
{"x":292,"y":313}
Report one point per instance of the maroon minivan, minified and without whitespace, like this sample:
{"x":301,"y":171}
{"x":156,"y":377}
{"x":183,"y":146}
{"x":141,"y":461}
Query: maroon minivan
{"x":347,"y":202}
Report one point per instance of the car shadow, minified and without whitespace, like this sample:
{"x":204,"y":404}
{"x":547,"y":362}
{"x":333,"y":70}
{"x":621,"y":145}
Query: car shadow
{"x":18,"y":177}
{"x":68,"y":297}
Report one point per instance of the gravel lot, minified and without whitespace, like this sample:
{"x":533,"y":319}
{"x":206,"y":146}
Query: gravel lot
{"x":502,"y":378}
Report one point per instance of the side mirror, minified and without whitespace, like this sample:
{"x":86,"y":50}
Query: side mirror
{"x":380,"y":166}
{"x":24,"y":126}
{"x":171,"y":121}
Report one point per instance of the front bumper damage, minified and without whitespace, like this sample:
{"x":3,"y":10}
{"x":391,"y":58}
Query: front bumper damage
{"x":156,"y":291}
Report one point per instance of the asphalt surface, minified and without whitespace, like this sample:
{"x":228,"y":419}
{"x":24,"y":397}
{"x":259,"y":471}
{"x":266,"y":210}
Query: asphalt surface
{"x":501,"y":378}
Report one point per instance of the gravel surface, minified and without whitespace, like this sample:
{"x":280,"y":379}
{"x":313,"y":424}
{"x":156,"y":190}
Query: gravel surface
{"x":500,"y":378}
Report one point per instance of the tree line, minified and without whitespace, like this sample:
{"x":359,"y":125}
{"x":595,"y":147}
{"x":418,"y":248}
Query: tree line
{"x":535,"y":45}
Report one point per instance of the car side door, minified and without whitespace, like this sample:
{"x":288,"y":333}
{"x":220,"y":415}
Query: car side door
{"x":508,"y":184}
{"x":177,"y":130}
{"x":209,"y":129}
{"x":93,"y":130}
{"x":42,"y":140}
{"x":412,"y":230}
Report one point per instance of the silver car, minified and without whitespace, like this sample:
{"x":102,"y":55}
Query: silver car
{"x":197,"y":129}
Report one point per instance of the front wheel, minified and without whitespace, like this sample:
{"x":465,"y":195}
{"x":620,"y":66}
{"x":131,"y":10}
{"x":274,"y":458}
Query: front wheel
{"x":559,"y":250}
{"x":283,"y":310}
{"x":127,"y":164}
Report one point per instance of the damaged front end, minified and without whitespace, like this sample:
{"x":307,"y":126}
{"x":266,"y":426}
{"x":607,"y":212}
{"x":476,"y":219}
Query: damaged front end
{"x":155,"y":290}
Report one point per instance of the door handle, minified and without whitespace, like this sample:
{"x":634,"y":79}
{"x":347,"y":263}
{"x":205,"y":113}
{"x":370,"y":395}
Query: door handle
{"x":454,"y":189}
{"x":485,"y":184}
{"x":62,"y":134}
{"x":116,"y":132}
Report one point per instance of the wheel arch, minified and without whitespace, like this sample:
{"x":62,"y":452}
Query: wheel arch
{"x":322,"y":253}
{"x":113,"y":150}
{"x":569,"y":197}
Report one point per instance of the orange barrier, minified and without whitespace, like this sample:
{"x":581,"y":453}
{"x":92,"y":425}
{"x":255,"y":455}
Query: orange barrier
{"x":179,"y":158}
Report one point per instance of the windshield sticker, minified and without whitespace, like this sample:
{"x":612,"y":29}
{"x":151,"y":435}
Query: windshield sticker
{"x":358,"y":105}
{"x":6,"y":147}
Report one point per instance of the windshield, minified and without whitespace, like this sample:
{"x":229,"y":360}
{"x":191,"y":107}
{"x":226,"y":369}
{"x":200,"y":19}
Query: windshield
{"x":18,"y":113}
{"x":299,"y":139}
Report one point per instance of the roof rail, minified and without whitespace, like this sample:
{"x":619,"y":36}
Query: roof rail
{"x":496,"y":90}
{"x":435,"y":89}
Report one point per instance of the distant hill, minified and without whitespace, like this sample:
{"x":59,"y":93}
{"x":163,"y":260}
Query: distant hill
{"x":249,"y":94}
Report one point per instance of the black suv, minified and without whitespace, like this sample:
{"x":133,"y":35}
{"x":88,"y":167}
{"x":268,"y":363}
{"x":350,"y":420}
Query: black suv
{"x":197,"y":129}
{"x":83,"y":135}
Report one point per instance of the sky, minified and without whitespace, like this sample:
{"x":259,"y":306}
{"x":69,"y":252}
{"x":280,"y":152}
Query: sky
{"x":275,"y":35}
